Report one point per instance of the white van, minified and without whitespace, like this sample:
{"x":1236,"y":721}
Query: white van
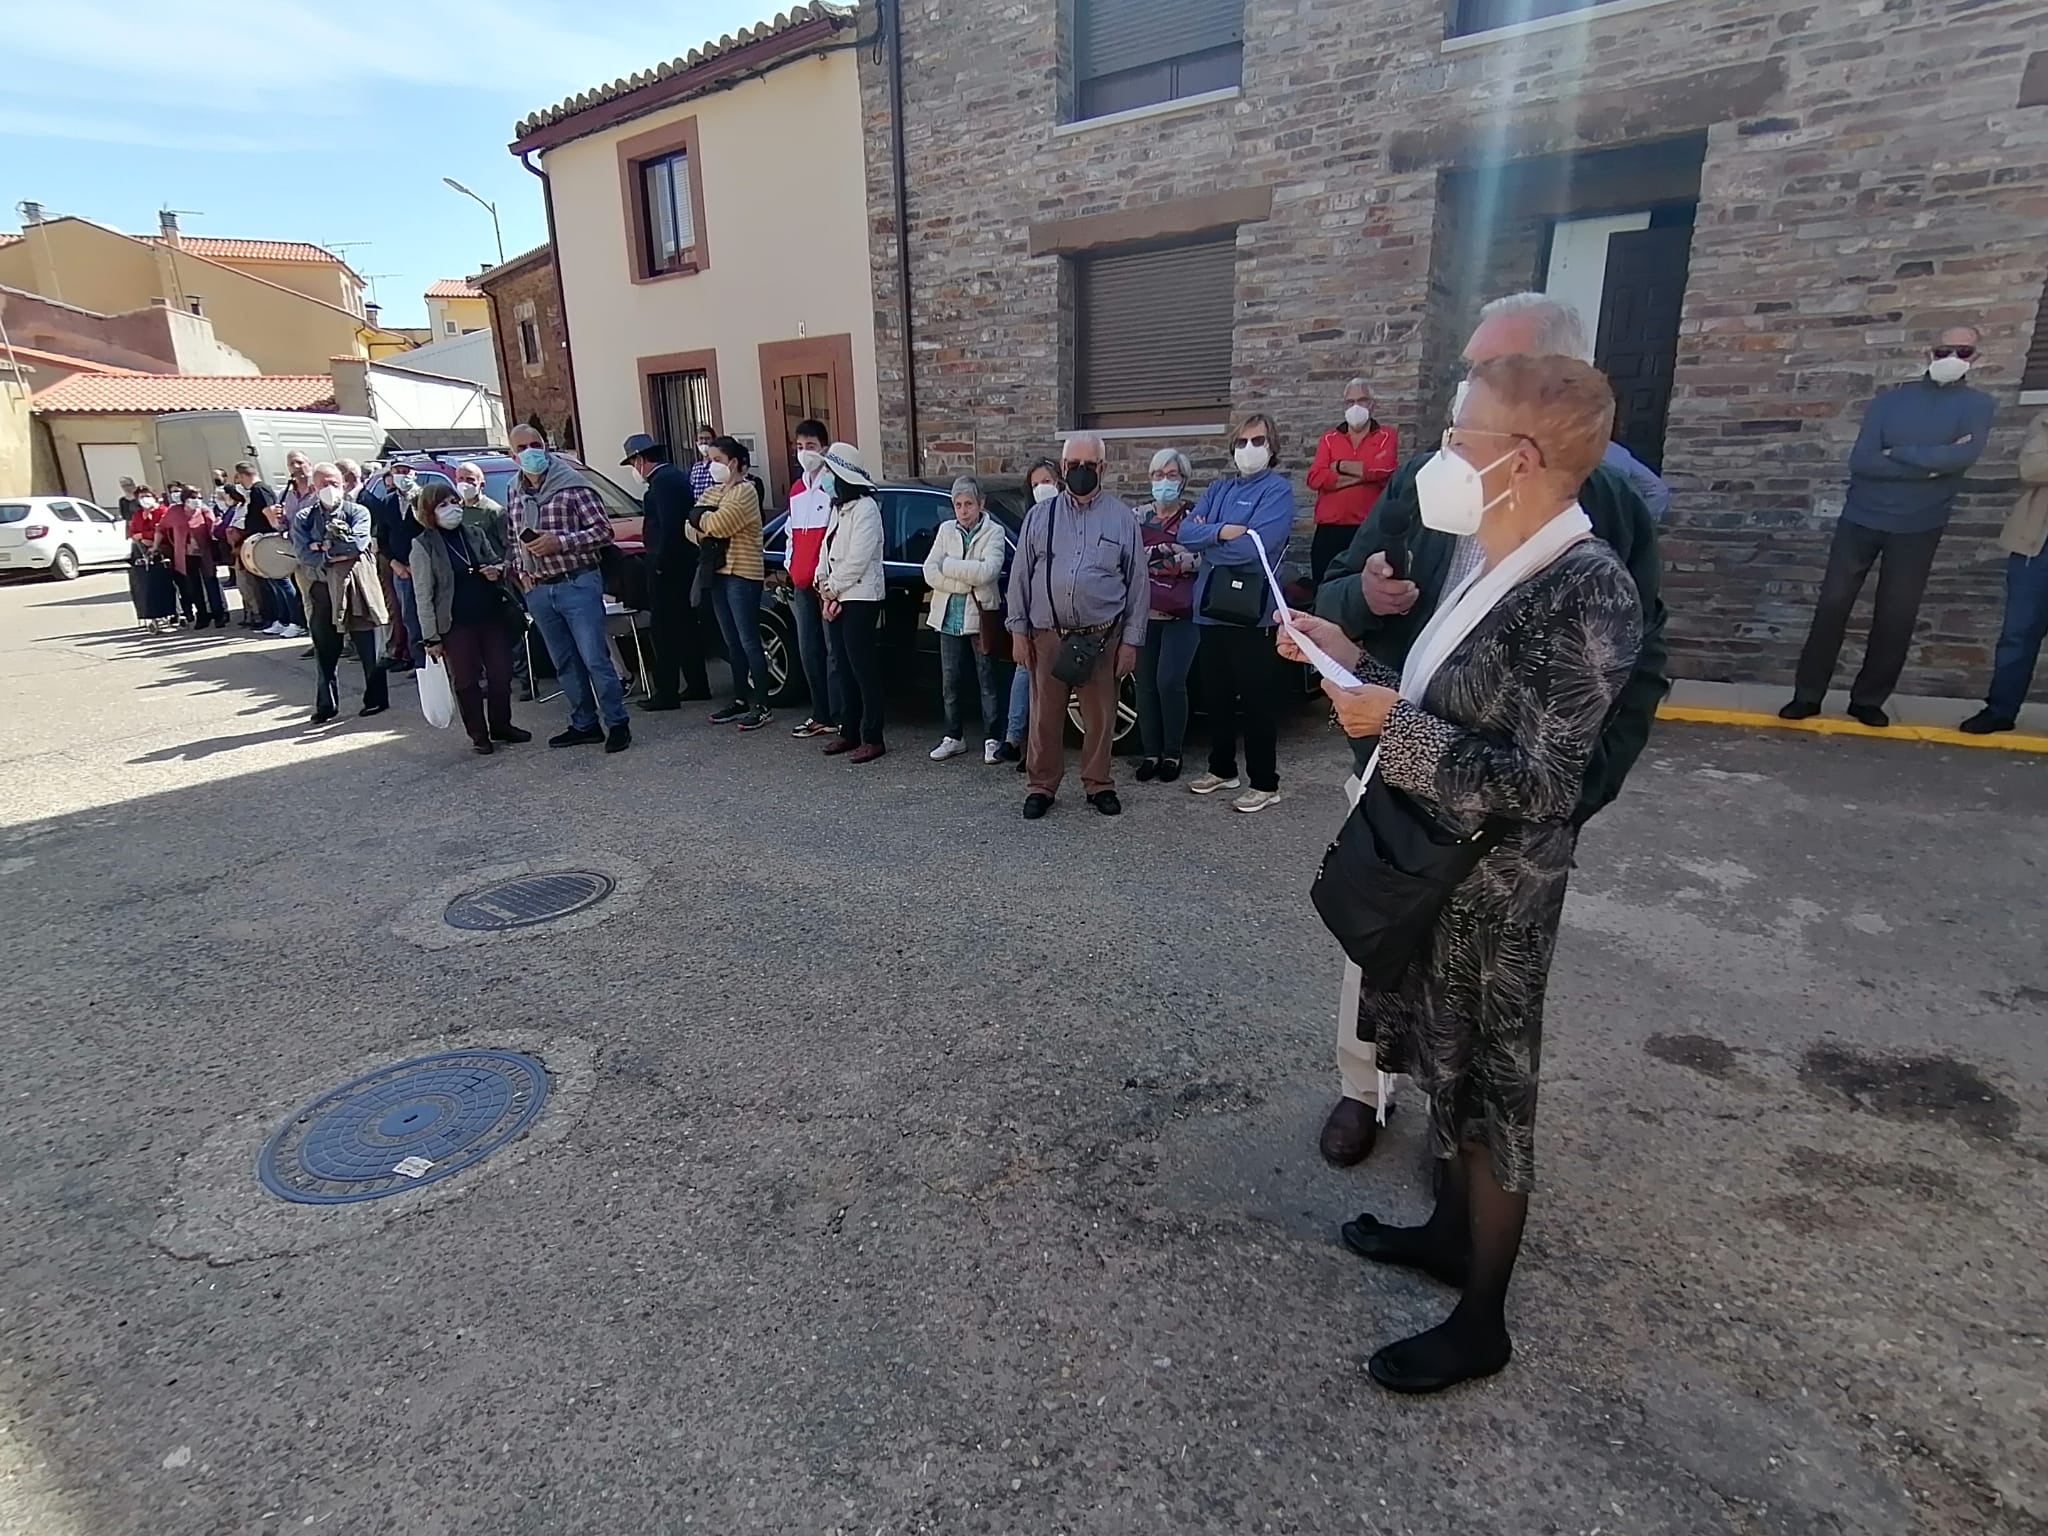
{"x":192,"y":444}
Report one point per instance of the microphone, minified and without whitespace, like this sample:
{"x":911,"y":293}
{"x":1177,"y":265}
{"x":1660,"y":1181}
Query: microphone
{"x":1396,"y":523}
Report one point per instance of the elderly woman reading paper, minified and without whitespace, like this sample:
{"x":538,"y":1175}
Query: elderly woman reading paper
{"x":1446,"y":884}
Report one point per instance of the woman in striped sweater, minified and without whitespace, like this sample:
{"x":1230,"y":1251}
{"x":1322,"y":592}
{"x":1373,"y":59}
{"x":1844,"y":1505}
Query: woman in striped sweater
{"x":726,"y":525}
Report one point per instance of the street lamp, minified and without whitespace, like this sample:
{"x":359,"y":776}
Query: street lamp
{"x":490,"y":208}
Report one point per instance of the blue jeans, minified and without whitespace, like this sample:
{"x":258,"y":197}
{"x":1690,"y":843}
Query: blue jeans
{"x":810,"y":645}
{"x":410,"y":609}
{"x":285,"y":596}
{"x":1020,"y":706}
{"x":737,"y":602}
{"x":959,"y":656}
{"x":2020,"y":636}
{"x":570,"y":617}
{"x":1163,"y":685}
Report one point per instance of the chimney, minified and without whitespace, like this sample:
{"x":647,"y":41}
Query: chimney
{"x":31,"y":213}
{"x":371,"y":309}
{"x":168,"y":222}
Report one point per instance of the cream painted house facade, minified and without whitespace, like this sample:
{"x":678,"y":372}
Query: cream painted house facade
{"x":286,"y":306}
{"x":697,"y":284}
{"x":455,"y":308}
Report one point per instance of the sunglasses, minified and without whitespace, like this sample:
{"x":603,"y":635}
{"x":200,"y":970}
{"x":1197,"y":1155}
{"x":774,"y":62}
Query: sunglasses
{"x":1084,"y":463}
{"x":1965,"y":353}
{"x":1257,"y":439}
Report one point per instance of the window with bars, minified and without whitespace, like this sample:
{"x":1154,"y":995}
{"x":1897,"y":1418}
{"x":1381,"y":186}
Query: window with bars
{"x":1138,"y":53}
{"x":667,"y":213}
{"x":529,"y":344}
{"x":1485,"y":15}
{"x":1154,"y":334}
{"x":678,"y":404}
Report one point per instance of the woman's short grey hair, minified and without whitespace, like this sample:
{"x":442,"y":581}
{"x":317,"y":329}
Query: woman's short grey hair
{"x":967,"y":485}
{"x":1173,"y":458}
{"x":1560,"y":330}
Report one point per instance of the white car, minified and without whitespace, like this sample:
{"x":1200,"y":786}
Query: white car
{"x":59,"y":534}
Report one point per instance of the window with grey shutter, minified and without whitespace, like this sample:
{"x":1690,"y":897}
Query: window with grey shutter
{"x":1135,"y":53}
{"x":1484,"y":15}
{"x":1154,"y":334}
{"x":2035,"y":374}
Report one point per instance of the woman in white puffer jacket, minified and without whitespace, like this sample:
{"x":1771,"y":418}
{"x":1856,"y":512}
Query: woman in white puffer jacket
{"x":965,"y":572}
{"x":851,"y":586}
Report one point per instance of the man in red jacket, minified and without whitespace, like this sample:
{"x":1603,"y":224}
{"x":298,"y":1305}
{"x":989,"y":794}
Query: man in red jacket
{"x":1353,"y":462}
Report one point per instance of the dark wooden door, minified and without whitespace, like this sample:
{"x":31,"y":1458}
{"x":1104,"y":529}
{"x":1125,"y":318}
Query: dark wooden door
{"x":1638,"y":344}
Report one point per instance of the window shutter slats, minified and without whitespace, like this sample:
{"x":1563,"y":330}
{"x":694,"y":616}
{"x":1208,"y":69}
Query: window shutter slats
{"x":2035,"y":374}
{"x":1115,"y":35}
{"x":1155,"y":329}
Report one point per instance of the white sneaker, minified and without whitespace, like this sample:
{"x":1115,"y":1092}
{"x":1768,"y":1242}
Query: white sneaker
{"x":1255,"y":800}
{"x":1209,"y":783}
{"x":990,"y":750}
{"x":292,"y":632}
{"x":952,"y":746}
{"x":273,"y":629}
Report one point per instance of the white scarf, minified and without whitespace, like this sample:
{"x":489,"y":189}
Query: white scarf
{"x":1462,"y":609}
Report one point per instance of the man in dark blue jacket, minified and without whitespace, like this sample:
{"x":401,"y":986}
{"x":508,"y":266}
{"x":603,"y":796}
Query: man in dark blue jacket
{"x":671,"y":565}
{"x":389,"y":499}
{"x":1918,"y":440}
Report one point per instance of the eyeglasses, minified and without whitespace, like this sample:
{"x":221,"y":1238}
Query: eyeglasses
{"x":1965,"y":353}
{"x":1073,"y":464}
{"x":1523,"y":437}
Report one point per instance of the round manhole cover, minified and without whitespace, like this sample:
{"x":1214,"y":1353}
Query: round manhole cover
{"x":527,"y":900}
{"x":403,"y":1126}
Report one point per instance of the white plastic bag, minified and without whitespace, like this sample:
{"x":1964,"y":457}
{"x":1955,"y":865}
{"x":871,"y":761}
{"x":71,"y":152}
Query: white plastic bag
{"x":437,"y":695}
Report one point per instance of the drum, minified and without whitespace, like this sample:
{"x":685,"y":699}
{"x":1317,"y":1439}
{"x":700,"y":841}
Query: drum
{"x":270,"y":556}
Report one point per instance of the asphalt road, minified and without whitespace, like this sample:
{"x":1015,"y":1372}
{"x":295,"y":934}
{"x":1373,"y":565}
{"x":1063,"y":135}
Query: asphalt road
{"x":912,"y":1168}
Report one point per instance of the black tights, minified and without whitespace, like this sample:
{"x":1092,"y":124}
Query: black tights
{"x":1470,"y":1240}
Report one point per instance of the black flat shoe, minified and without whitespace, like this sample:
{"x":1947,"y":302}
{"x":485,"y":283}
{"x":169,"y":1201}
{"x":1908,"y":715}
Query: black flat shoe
{"x":1349,"y":1133}
{"x":1870,"y":715}
{"x":1169,"y":769}
{"x":371,"y":709}
{"x":660,"y":706}
{"x":1443,"y":1357}
{"x":1106,"y":803}
{"x":1148,"y":770}
{"x":322,"y":716}
{"x":618,"y":738}
{"x":512,"y":735}
{"x":575,"y":738}
{"x":482,"y":748}
{"x":1035,"y":806}
{"x":1986,"y":723}
{"x":1799,"y":709}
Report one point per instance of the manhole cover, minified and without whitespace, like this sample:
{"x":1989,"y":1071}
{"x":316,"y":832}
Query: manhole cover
{"x":403,"y":1126}
{"x":528,"y":899}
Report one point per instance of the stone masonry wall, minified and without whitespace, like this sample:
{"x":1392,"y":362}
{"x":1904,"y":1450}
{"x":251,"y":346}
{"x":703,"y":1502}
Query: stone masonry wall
{"x":1868,"y":178}
{"x":547,"y":392}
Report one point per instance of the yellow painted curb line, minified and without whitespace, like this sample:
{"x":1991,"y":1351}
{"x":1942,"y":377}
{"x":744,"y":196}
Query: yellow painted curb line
{"x":2006,"y":741}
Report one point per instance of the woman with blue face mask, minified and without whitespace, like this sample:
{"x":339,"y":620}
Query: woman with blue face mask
{"x":1170,"y":633}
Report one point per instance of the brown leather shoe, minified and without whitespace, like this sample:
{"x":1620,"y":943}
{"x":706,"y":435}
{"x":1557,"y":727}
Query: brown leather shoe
{"x":1349,"y":1133}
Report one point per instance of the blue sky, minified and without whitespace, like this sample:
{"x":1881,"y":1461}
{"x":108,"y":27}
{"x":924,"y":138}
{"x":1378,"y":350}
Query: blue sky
{"x":296,"y":120}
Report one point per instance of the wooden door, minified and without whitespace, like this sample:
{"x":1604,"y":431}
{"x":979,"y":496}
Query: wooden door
{"x":811,"y":378}
{"x":1638,"y":343}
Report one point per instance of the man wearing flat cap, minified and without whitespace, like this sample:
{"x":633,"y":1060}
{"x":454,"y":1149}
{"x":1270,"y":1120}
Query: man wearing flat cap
{"x":677,"y":667}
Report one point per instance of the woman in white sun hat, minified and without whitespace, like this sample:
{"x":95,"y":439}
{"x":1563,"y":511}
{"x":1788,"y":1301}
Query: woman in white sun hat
{"x":851,"y":585}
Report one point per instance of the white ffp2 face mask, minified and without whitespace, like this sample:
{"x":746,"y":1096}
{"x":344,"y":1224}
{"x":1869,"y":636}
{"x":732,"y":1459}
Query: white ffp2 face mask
{"x":809,"y":460}
{"x":1452,"y":493}
{"x":1044,"y":492}
{"x":720,"y":471}
{"x":1356,"y":416}
{"x":448,"y":517}
{"x":1251,"y":458}
{"x":1458,"y":398}
{"x":1948,"y":370}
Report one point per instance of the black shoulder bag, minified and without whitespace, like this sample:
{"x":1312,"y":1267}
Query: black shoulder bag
{"x":1237,"y":595}
{"x":1080,"y":651}
{"x":1387,"y":877}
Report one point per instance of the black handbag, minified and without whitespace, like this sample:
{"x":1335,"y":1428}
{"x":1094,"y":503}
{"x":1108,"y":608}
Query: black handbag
{"x":1386,"y":878}
{"x":1236,"y":595}
{"x":1080,"y":650}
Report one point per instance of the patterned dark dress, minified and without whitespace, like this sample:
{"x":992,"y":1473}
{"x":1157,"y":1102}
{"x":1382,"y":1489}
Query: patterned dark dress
{"x":1505,"y":728}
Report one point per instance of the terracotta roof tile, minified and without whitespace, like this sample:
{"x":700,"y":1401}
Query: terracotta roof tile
{"x":216,"y":248}
{"x":453,"y":288}
{"x":598,"y":95}
{"x":147,"y":394}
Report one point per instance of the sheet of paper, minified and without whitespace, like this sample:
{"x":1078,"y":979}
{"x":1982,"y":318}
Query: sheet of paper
{"x":1324,"y":663}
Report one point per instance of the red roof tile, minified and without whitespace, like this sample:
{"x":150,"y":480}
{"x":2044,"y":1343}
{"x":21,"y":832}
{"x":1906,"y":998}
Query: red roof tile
{"x":453,"y":288}
{"x":147,"y":394}
{"x":215,"y":248}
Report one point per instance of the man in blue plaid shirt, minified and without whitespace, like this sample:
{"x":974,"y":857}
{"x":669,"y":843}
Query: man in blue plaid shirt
{"x":700,"y":470}
{"x":559,"y":533}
